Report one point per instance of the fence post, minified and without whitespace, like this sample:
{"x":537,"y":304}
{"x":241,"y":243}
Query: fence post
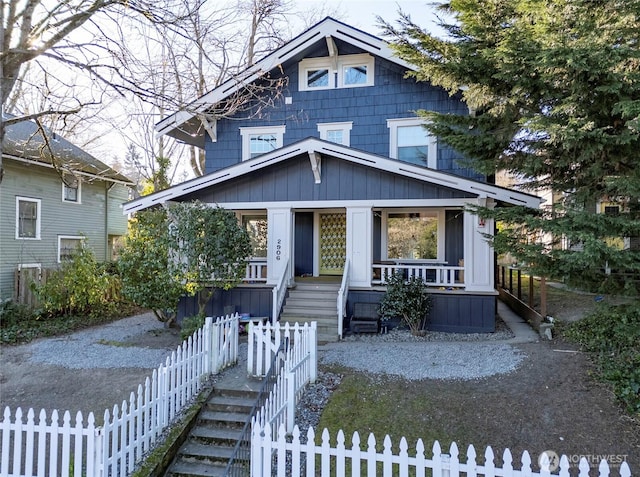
{"x":290,"y":416}
{"x":98,"y":453}
{"x":313,"y":352}
{"x":445,"y":461}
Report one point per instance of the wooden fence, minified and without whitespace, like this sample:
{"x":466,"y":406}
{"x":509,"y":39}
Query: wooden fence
{"x":52,"y":448}
{"x":271,"y":455}
{"x":23,"y":280}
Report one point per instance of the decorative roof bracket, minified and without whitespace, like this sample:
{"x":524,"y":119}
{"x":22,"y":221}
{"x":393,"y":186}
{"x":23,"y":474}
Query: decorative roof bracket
{"x":316,"y":165}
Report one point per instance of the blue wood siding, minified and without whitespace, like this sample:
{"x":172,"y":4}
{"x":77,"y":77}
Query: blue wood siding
{"x":392,"y":96}
{"x":303,"y":255}
{"x":454,"y":232}
{"x":252,"y":300}
{"x":455,"y":313}
{"x":293,"y":180}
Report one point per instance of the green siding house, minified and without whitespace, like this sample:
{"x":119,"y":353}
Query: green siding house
{"x":54,"y":195}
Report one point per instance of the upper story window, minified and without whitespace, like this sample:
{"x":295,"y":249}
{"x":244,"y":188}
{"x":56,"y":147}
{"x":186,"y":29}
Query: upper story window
{"x":27,"y":218}
{"x":68,"y":245}
{"x":348,"y":71}
{"x":340,"y":133}
{"x":70,"y":189}
{"x":410,"y":142}
{"x":260,"y":140}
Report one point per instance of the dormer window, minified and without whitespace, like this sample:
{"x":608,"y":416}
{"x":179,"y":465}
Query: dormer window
{"x":348,"y":71}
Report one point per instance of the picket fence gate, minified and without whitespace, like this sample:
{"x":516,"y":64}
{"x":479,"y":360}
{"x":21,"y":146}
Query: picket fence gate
{"x":51,"y":448}
{"x":285,"y":454}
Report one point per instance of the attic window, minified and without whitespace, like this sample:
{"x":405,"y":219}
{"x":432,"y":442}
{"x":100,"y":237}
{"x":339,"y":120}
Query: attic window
{"x":260,"y":140}
{"x":348,"y":71}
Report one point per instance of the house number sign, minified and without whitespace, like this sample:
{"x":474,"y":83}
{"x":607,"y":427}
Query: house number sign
{"x":279,"y":249}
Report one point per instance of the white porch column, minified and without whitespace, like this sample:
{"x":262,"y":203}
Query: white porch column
{"x":478,"y":253}
{"x":279,"y":230}
{"x":359,"y":231}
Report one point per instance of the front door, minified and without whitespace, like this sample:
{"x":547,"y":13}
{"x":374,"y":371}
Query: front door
{"x":333,"y":243}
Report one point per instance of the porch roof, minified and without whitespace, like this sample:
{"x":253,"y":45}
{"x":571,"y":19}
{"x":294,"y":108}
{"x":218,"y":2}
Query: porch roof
{"x":315,"y":149}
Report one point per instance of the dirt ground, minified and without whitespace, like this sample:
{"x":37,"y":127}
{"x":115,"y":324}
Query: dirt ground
{"x":550,"y":403}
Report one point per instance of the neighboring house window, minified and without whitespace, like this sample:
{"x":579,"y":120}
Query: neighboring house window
{"x":27,"y":218}
{"x":410,"y":142}
{"x":260,"y":140}
{"x":413,"y":235}
{"x":336,"y":132}
{"x":348,"y":71}
{"x":70,"y":189}
{"x":67,"y":245}
{"x":256,"y":227}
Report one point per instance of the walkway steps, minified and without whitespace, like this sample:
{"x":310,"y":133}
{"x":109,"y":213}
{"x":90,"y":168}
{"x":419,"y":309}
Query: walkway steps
{"x":312,"y":301}
{"x":219,"y":425}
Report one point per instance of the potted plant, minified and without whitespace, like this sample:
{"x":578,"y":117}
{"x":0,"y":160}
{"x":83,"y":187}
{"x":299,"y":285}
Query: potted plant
{"x":407,"y":299}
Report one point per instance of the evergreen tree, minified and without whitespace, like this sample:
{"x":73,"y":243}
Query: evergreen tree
{"x":553,"y":90}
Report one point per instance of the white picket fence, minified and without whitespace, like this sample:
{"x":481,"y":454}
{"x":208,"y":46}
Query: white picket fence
{"x":264,"y":339}
{"x":270,"y":455}
{"x":51,"y":448}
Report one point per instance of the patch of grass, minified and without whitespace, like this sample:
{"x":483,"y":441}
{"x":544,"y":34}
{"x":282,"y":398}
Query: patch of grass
{"x":612,"y":336}
{"x":28,"y":326}
{"x":119,"y":344}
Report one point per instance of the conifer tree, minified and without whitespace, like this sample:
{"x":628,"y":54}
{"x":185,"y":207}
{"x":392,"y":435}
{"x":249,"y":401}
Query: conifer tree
{"x":553,"y":90}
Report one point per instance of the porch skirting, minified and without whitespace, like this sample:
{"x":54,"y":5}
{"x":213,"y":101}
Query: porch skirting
{"x":453,"y":311}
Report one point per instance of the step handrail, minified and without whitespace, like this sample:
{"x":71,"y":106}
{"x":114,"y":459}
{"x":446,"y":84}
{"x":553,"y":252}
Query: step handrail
{"x":279,"y":292}
{"x":342,"y":297}
{"x":242,"y":450}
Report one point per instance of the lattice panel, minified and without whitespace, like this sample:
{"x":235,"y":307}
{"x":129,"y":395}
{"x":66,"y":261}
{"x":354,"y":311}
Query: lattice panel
{"x":333,"y":242}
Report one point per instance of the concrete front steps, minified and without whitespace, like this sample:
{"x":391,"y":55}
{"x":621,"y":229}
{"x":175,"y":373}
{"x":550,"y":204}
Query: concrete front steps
{"x":314,"y":301}
{"x":211,"y":442}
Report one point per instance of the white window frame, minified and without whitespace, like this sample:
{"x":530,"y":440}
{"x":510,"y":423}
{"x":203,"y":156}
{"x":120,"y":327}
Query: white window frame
{"x":246,"y":134}
{"x":38,"y":202}
{"x":336,"y":66}
{"x":345,"y":127}
{"x":432,"y":146}
{"x":79,"y":189}
{"x":255,"y":213}
{"x":80,"y":238}
{"x":440,"y":216}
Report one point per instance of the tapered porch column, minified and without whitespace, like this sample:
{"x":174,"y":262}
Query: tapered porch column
{"x":279,"y":253}
{"x":359,"y":239}
{"x":478,"y":253}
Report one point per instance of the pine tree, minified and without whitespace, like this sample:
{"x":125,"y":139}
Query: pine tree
{"x":553,"y":90}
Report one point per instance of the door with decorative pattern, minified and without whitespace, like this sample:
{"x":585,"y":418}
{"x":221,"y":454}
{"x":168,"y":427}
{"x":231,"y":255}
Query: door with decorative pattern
{"x":333,"y":243}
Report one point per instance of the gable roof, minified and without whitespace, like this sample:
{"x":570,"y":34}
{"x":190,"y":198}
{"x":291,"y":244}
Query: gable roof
{"x":315,"y":149}
{"x":185,"y":124}
{"x":23,"y":141}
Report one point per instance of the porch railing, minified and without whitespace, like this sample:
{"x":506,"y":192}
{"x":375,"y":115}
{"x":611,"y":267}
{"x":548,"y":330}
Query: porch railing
{"x":433,"y":275}
{"x":279,"y":292}
{"x":342,"y":296}
{"x":256,"y":271}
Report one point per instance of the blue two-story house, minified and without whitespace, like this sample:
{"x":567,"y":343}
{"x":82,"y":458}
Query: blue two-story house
{"x":339,"y":185}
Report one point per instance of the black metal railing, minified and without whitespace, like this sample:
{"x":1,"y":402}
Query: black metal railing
{"x":239,"y":463}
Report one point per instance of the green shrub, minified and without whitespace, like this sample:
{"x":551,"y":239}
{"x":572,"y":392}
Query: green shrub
{"x":407,"y":299}
{"x":12,"y":313}
{"x":612,"y":335}
{"x":190,"y":325}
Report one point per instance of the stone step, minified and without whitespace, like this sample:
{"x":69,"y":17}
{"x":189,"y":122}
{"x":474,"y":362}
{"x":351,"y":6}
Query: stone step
{"x":191,"y":468}
{"x":242,"y":405}
{"x":206,"y":452}
{"x":216,"y":435}
{"x":223,"y":419}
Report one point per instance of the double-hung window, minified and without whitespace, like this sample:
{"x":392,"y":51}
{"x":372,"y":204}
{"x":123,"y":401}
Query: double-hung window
{"x":260,"y":140}
{"x":338,"y":133}
{"x":410,"y":142}
{"x":28,"y":218}
{"x":347,"y":71}
{"x":67,"y":246}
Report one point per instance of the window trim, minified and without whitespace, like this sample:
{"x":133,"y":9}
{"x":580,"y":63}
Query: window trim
{"x":255,"y":213}
{"x":432,"y":146}
{"x":38,"y":203}
{"x":345,"y":127}
{"x":81,"y":238}
{"x":79,"y":189}
{"x":336,"y":66}
{"x":247,"y":132}
{"x":384,"y":239}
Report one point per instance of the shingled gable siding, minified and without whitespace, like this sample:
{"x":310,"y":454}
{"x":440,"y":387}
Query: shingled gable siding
{"x":368,"y":108}
{"x":293,"y":180}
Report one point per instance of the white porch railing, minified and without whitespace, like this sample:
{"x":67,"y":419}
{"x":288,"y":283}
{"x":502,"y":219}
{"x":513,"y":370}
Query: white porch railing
{"x":49,"y":447}
{"x":433,"y":275}
{"x":279,"y":292}
{"x":256,"y":271}
{"x":342,"y":296}
{"x":313,"y":458}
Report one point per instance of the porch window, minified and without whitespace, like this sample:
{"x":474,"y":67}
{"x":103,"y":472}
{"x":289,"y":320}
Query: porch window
{"x":256,"y":227}
{"x":27,"y":218}
{"x":412,"y":236}
{"x":257,"y":141}
{"x":410,"y":142}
